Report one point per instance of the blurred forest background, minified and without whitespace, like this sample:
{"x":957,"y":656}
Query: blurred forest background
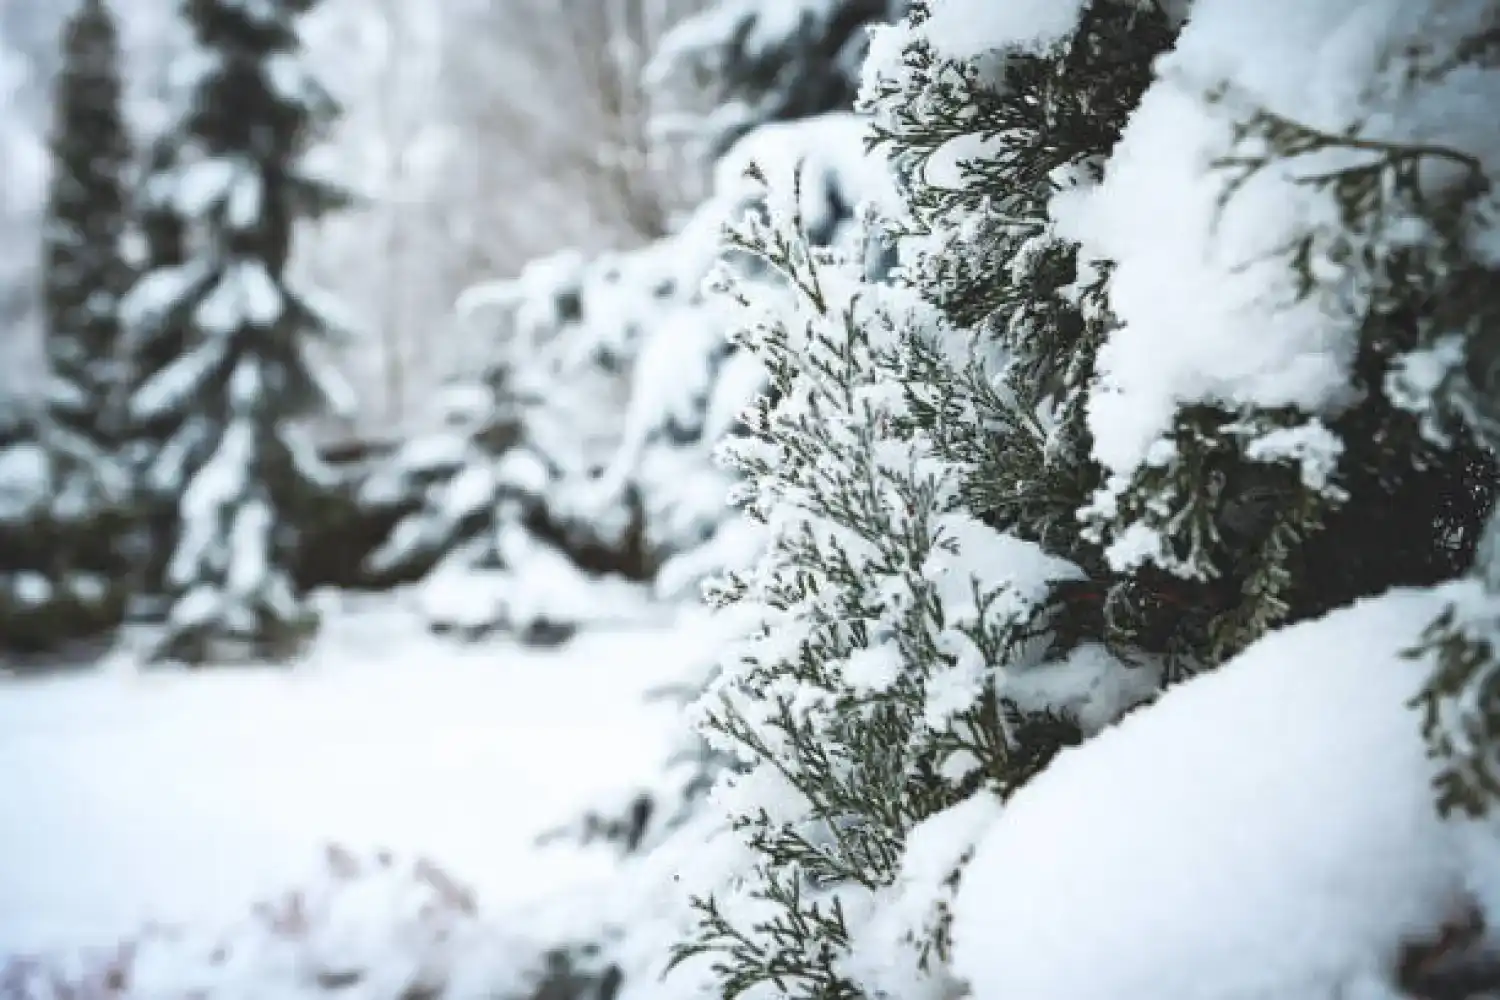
{"x":465,"y":173}
{"x":417,"y":389}
{"x":493,"y":345}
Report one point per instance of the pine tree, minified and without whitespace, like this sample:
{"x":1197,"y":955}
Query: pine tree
{"x":970,"y":570}
{"x":62,"y":532}
{"x":226,"y":407}
{"x":86,"y":273}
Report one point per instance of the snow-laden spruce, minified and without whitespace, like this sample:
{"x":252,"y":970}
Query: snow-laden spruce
{"x":1177,"y":357}
{"x":63,"y":504}
{"x":224,"y":344}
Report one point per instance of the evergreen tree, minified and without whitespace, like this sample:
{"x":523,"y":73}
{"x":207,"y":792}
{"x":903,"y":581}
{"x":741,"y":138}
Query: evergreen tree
{"x":225,"y":407}
{"x":86,"y":273}
{"x":1011,"y":498}
{"x":67,"y":492}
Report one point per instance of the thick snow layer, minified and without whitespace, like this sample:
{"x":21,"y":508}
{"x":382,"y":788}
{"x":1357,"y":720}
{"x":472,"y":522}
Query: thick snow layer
{"x":1267,"y":830}
{"x":1205,"y":288}
{"x":134,"y":795}
{"x":962,"y":29}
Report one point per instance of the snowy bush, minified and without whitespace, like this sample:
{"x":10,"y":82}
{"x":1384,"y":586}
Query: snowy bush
{"x":595,"y":437}
{"x":1178,"y":411}
{"x":619,"y":930}
{"x":627,"y":381}
{"x":64,"y":508}
{"x":477,"y":524}
{"x":361,"y":927}
{"x":448,"y":479}
{"x":617,"y":370}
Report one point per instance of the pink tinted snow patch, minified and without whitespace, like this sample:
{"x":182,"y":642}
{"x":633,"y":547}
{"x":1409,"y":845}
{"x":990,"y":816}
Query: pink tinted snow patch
{"x":1264,"y":830}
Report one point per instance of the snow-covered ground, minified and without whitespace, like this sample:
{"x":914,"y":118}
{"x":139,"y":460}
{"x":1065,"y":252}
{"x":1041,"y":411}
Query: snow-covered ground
{"x":130,"y":795}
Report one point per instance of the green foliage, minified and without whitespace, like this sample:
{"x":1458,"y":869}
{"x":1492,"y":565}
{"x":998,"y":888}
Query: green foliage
{"x":1460,"y":710}
{"x":852,"y":575}
{"x":1324,"y":537}
{"x":1416,"y":480}
{"x":935,"y":428}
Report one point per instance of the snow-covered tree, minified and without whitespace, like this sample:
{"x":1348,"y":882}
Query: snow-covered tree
{"x":61,"y":522}
{"x":241,"y":369}
{"x":1180,"y":407}
{"x":85,"y":273}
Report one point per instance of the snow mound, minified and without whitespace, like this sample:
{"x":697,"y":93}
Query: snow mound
{"x":367,"y":928}
{"x":1292,"y":853}
{"x":540,"y":595}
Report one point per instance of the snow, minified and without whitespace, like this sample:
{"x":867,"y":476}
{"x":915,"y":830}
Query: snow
{"x":154,"y":295}
{"x":198,"y":187}
{"x":522,"y":470}
{"x":470,"y":491}
{"x":136,"y":795}
{"x":963,"y":29}
{"x":245,"y":293}
{"x":374,"y":926}
{"x":1204,"y":286}
{"x":31,"y":588}
{"x":735,"y":545}
{"x":179,"y":381}
{"x":1091,"y":685}
{"x":755,"y":26}
{"x":881,"y":956}
{"x":1315,"y":449}
{"x":1291,"y":853}
{"x":249,"y":547}
{"x":25,"y":479}
{"x":289,"y":80}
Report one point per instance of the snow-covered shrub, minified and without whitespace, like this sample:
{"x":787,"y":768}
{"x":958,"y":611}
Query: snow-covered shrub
{"x":626,"y":380}
{"x":615,"y":934}
{"x":64,"y":508}
{"x":1189,"y":343}
{"x":477,"y":523}
{"x":1292,"y":851}
{"x":618,"y":370}
{"x":593,"y":437}
{"x":361,"y":927}
{"x":448,"y":479}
